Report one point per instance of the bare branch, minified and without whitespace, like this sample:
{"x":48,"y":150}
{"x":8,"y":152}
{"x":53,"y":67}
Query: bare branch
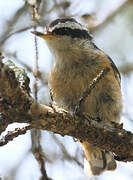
{"x":96,"y":25}
{"x":38,"y":152}
{"x":12,"y":22}
{"x":13,"y":134}
{"x":116,"y":140}
{"x":126,"y":69}
{"x":18,"y":106}
{"x":91,"y":86}
{"x":36,"y":134}
{"x":66,"y":155}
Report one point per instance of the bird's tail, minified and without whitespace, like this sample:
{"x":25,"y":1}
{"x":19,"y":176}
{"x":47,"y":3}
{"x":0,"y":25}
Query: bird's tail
{"x":96,"y":160}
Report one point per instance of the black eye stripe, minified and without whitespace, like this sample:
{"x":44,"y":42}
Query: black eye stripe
{"x":74,"y":33}
{"x":61,"y":21}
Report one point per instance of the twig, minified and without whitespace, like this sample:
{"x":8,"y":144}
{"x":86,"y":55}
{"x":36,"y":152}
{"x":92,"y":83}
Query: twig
{"x":126,"y":69}
{"x":38,"y":152}
{"x":91,"y":86}
{"x":13,"y":134}
{"x":36,"y":53}
{"x":110,"y":16}
{"x":12,"y":22}
{"x":66,"y":155}
{"x":9,"y":34}
{"x":36,"y":134}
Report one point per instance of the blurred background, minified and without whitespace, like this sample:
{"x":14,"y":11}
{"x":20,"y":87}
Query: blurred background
{"x":111,"y":24}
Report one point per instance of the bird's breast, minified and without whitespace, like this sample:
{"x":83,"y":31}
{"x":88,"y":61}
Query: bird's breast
{"x":67,"y":86}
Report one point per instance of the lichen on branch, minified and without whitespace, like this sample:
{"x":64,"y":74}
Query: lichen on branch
{"x":14,"y":90}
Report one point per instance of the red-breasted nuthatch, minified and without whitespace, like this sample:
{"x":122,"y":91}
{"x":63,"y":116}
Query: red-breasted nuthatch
{"x":77,"y":61}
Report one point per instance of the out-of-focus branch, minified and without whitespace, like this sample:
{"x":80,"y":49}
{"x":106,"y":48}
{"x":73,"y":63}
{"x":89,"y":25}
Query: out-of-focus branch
{"x":96,"y":23}
{"x":36,"y":133}
{"x":126,"y":69}
{"x":59,"y":6}
{"x":66,"y":155}
{"x":38,"y":152}
{"x":6,"y":33}
{"x":17,"y":106}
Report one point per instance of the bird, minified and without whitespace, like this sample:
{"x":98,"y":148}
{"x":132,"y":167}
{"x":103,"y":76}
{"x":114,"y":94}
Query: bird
{"x":77,"y":61}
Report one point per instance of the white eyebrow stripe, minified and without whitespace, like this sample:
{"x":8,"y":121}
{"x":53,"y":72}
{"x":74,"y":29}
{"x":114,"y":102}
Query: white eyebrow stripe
{"x":71,"y":25}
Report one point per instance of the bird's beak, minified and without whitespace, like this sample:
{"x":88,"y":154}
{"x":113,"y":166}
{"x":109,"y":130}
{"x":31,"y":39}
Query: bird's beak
{"x":44,"y":36}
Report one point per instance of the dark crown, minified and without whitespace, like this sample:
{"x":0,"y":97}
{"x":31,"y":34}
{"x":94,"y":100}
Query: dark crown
{"x":69,"y":27}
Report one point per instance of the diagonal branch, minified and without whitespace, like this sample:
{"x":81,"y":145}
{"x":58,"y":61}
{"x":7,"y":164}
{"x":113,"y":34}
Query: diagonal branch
{"x":13,"y":134}
{"x":126,"y":69}
{"x":91,"y":86}
{"x":110,"y":16}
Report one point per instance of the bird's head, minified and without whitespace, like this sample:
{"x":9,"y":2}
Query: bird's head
{"x":65,"y":34}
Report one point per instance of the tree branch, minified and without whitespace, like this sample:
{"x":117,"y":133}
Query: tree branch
{"x":90,"y":87}
{"x":115,"y":139}
{"x":126,"y":69}
{"x":17,"y":106}
{"x":110,"y":16}
{"x":15,"y":99}
{"x":13,"y":134}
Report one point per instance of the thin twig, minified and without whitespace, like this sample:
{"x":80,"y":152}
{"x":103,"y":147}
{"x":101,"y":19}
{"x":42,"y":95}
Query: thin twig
{"x":110,"y":16}
{"x":36,"y":55}
{"x":38,"y":152}
{"x":91,"y":86}
{"x":126,"y":69}
{"x":13,"y":134}
{"x":66,"y":155}
{"x":11,"y":23}
{"x":36,"y":134}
